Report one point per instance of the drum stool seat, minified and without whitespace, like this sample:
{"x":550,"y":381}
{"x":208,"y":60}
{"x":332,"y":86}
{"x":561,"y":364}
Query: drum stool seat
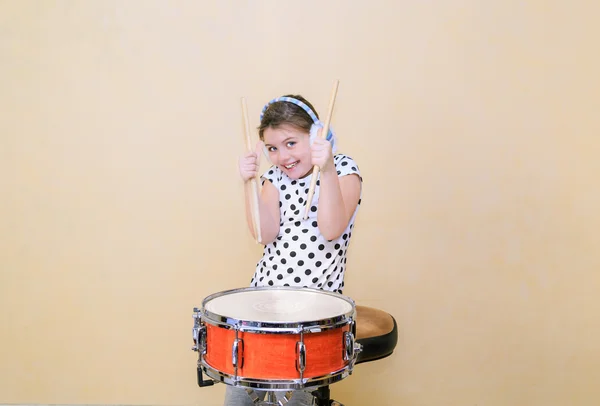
{"x":377,"y":332}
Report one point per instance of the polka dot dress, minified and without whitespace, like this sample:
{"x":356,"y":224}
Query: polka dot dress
{"x":300,"y":256}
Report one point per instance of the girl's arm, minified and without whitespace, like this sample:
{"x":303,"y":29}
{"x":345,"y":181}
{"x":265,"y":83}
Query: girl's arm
{"x":338,"y":198}
{"x":268,"y":203}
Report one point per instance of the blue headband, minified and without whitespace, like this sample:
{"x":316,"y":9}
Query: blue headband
{"x":308,"y":110}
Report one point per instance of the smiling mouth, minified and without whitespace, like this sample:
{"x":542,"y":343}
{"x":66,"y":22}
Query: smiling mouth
{"x":290,"y":166}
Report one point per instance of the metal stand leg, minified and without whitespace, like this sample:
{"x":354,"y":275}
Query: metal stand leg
{"x":253,"y":396}
{"x":286,"y":398}
{"x":270,"y":398}
{"x":323,"y":397}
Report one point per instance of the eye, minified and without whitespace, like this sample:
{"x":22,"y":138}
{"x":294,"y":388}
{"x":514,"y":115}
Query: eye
{"x":271,"y":149}
{"x":291,"y":144}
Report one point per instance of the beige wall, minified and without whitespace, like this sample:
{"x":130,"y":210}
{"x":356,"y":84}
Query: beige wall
{"x":472,"y":122}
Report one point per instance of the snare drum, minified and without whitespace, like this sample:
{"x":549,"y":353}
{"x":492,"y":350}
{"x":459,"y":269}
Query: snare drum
{"x":276,"y":338}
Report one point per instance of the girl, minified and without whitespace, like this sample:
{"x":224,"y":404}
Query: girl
{"x":301,"y":253}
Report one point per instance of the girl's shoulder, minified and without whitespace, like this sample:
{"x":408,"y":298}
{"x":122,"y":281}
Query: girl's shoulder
{"x":273,"y":174}
{"x":345,"y":165}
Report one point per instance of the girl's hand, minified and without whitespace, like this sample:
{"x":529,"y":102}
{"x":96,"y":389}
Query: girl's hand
{"x":321,"y":154}
{"x":249,"y":163}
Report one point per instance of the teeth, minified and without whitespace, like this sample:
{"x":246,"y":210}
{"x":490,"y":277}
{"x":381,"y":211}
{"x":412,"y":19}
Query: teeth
{"x":291,"y":166}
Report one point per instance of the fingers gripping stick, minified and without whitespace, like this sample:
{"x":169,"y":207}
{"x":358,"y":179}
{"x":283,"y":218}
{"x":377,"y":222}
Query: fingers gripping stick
{"x":313,"y":182}
{"x":253,"y":182}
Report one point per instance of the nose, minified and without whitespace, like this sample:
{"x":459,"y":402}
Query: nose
{"x":283,"y":155}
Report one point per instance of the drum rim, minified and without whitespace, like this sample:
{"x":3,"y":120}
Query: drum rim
{"x":277,"y":384}
{"x":274,"y":327}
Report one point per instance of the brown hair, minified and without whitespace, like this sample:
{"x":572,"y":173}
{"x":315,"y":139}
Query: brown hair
{"x":283,"y":112}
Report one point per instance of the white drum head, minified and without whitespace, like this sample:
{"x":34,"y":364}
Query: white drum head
{"x":278,"y":305}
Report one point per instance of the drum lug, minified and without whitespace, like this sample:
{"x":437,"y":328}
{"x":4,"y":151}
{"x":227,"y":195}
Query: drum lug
{"x":199,"y":337}
{"x":236,"y":358}
{"x":348,"y":346}
{"x":301,"y":355}
{"x":301,"y":362}
{"x":351,"y":348}
{"x":237,"y":353}
{"x":199,"y":334}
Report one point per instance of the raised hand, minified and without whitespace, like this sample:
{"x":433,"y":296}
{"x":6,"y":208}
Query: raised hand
{"x":250,"y":162}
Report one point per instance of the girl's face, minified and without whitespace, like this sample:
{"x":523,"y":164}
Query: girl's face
{"x":289,"y":149}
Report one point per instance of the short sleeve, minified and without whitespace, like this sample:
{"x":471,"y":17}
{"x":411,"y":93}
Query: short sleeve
{"x":272,"y":174}
{"x":346,"y":166}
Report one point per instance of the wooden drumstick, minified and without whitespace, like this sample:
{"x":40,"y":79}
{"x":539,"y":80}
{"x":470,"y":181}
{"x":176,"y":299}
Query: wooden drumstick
{"x":313,"y":182}
{"x":254,"y":181}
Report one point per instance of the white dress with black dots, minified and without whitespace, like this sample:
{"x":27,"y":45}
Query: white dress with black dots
{"x":300,"y":256}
